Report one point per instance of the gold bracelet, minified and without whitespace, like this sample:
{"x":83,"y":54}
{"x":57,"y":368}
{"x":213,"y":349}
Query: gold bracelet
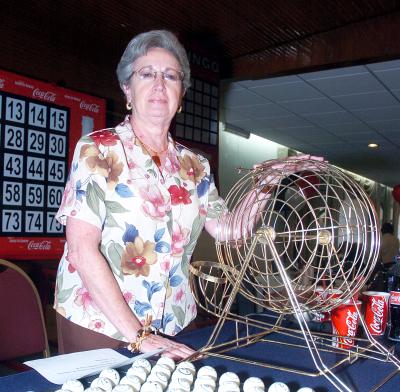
{"x":142,"y":334}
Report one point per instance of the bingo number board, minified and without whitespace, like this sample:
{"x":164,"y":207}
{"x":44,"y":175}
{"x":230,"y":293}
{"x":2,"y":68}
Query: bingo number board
{"x":39,"y":126}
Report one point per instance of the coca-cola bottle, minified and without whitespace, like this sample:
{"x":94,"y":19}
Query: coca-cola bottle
{"x":394,"y":310}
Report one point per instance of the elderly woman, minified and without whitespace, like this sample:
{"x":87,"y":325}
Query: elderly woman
{"x":134,"y":206}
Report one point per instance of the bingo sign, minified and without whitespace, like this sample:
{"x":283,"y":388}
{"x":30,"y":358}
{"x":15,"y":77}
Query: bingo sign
{"x":39,"y":126}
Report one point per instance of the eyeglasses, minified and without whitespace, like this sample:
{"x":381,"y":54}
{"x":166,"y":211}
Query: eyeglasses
{"x":149,"y":74}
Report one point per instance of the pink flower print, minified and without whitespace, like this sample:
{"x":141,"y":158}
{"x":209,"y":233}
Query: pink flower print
{"x":84,"y":299}
{"x":155,"y":205}
{"x":172,"y":164}
{"x":179,"y":295}
{"x":129,"y":144}
{"x":165,"y":265}
{"x":128,"y":296}
{"x":96,"y":325}
{"x":180,"y":237}
{"x":191,"y":310}
{"x":131,"y":164}
{"x":202,"y":211}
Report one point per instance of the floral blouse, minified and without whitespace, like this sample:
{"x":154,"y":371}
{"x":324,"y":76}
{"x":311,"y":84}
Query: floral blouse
{"x":150,"y":222}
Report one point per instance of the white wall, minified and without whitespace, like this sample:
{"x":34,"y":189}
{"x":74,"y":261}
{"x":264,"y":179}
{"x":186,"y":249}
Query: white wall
{"x":236,"y":151}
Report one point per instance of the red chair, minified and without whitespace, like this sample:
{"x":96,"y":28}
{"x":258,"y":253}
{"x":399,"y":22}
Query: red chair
{"x":22,"y":327}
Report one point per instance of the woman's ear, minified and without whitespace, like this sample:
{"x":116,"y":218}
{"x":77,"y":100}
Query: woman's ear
{"x":127,"y":92}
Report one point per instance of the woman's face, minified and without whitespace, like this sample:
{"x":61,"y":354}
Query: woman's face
{"x":155,"y":100}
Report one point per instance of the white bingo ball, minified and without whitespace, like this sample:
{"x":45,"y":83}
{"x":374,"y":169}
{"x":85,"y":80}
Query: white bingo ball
{"x":205,"y":380}
{"x":229,"y":377}
{"x":123,"y":388}
{"x":111,"y":374}
{"x":168,"y":362}
{"x":133,"y":381}
{"x":161,"y":378}
{"x":182,"y":372}
{"x":73,"y":386}
{"x":180,"y":383}
{"x":229,"y":386}
{"x":207,"y":371}
{"x":203,"y":388}
{"x":187,"y":365}
{"x":278,"y":387}
{"x":139,"y":372}
{"x":151,"y":386}
{"x":158,"y":368}
{"x":251,"y":383}
{"x":94,"y":389}
{"x":144,"y":363}
{"x":174,"y":388}
{"x":306,"y":389}
{"x":103,"y":383}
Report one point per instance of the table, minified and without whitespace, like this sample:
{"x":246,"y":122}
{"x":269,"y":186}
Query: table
{"x":361,"y":376}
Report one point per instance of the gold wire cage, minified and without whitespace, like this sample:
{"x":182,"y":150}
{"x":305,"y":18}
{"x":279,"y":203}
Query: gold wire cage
{"x":301,"y":238}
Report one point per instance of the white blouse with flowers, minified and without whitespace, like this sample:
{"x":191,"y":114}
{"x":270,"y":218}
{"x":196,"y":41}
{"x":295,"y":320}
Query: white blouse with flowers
{"x":150,"y":223}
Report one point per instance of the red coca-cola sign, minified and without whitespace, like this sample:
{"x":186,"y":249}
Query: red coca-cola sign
{"x":45,"y":95}
{"x":376,"y":311}
{"x":345,"y":324}
{"x":394,"y":298}
{"x":352,"y":325}
{"x":33,"y":174}
{"x":91,"y":107}
{"x":39,"y":245}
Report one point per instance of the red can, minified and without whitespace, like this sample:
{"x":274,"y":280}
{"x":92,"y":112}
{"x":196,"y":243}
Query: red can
{"x":323,"y":297}
{"x":376,"y":311}
{"x":345,"y":323}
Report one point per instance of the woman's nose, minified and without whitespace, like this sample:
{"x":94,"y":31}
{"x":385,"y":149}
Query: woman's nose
{"x":159,"y":81}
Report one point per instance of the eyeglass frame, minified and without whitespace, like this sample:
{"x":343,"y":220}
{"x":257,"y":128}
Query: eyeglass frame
{"x":163,"y":73}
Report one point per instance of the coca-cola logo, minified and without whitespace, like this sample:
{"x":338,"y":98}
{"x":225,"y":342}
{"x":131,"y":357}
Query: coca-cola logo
{"x":394,"y":298}
{"x":39,"y":245}
{"x":91,"y":107}
{"x":352,"y":323}
{"x":377,"y":308}
{"x":45,"y":95}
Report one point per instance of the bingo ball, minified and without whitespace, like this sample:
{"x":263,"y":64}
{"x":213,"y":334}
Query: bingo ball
{"x":306,"y":389}
{"x":278,"y":387}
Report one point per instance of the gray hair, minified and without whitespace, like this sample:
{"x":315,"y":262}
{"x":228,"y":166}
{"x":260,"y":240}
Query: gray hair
{"x":142,"y":43}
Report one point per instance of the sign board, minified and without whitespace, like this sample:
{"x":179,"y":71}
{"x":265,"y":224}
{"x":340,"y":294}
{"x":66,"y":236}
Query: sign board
{"x":40,"y":124}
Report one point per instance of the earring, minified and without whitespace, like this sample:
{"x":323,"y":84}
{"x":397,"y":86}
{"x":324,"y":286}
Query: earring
{"x":129,"y":105}
{"x":179,"y":109}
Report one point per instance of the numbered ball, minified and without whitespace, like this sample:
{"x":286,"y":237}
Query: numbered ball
{"x":306,"y":389}
{"x":111,"y":374}
{"x":73,"y":386}
{"x":253,"y":382}
{"x":229,"y":377}
{"x":278,"y":387}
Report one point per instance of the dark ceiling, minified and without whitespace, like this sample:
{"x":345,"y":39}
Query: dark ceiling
{"x":246,"y":35}
{"x":253,"y":40}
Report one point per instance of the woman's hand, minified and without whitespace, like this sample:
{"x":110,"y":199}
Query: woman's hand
{"x":171,"y":348}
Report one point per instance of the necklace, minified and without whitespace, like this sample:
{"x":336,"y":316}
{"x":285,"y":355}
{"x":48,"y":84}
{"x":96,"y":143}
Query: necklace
{"x":155,"y":155}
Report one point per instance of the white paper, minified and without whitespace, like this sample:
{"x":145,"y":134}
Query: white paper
{"x":61,"y":368}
